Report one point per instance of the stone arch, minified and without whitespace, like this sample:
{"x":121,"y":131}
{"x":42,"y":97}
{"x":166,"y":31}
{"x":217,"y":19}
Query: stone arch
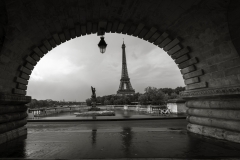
{"x":210,"y":28}
{"x":164,"y":40}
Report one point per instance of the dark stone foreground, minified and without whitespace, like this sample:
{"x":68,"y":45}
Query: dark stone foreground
{"x":116,"y":139}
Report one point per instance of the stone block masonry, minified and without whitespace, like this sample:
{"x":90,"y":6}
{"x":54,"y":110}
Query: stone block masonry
{"x":12,"y":116}
{"x":214,"y":113}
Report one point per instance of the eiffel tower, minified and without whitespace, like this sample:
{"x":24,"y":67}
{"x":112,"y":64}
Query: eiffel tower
{"x":125,"y":87}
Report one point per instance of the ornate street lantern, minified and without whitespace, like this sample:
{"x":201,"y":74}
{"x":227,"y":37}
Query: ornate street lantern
{"x":102,"y":45}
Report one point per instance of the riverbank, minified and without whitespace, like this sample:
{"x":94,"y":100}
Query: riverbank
{"x":120,"y":115}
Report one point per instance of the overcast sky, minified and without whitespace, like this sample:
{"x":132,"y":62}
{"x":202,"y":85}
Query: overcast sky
{"x":69,"y":70}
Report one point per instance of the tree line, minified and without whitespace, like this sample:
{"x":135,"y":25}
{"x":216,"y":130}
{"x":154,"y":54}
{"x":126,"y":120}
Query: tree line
{"x":49,"y":103}
{"x":151,"y":95}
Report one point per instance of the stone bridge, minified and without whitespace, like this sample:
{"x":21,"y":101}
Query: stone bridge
{"x":201,"y":36}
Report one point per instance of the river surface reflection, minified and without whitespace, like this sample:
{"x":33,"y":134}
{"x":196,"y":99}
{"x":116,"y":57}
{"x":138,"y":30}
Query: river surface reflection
{"x":115,"y":139}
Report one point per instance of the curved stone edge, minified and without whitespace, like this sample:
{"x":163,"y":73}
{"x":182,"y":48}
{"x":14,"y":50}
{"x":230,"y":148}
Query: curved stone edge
{"x":212,"y":92}
{"x":172,"y":46}
{"x":214,"y":132}
{"x":14,"y":99}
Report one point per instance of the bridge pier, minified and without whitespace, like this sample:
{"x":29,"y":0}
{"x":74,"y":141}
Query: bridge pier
{"x":13,"y":116}
{"x":214,"y":113}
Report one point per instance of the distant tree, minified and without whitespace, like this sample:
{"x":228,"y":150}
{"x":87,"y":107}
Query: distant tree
{"x":111,"y":100}
{"x":179,"y":89}
{"x":135,"y":97}
{"x":158,"y":98}
{"x":127,"y":99}
{"x":173,"y":96}
{"x":102,"y":100}
{"x":89,"y":102}
{"x":33,"y":103}
{"x":167,"y":90}
{"x":116,"y":102}
{"x":106,"y":102}
{"x":143,"y":99}
{"x":99,"y":99}
{"x":153,"y":95}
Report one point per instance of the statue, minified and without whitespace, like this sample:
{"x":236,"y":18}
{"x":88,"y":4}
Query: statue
{"x":94,"y":101}
{"x":93,"y":93}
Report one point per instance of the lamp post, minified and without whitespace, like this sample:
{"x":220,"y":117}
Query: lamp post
{"x":102,"y":45}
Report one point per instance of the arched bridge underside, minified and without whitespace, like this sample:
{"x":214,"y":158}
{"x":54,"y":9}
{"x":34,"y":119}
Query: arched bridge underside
{"x":202,"y":37}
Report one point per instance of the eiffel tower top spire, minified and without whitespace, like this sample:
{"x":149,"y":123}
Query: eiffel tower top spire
{"x":123,"y":45}
{"x":124,"y":63}
{"x":125,"y":86}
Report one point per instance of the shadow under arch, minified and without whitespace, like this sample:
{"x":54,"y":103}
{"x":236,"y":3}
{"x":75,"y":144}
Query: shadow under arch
{"x":172,"y":46}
